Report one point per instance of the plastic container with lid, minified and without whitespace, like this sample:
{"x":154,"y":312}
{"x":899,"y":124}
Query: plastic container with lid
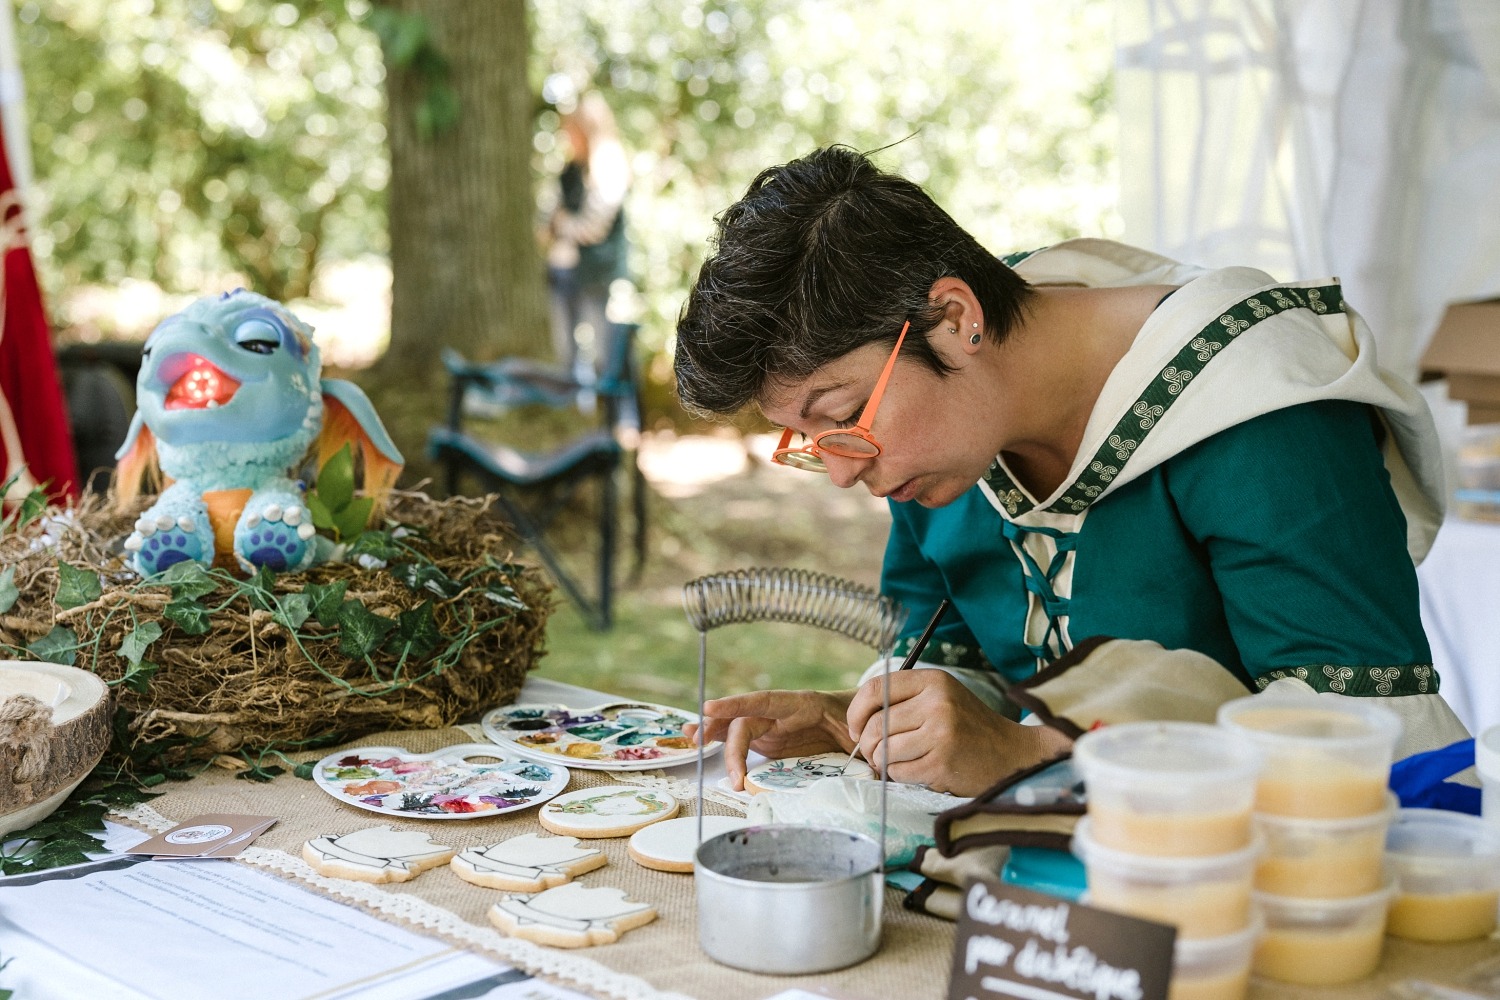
{"x":1178,"y":789}
{"x":1327,"y":757}
{"x":1447,"y":871}
{"x":1321,"y":942}
{"x":1323,"y":858}
{"x":1487,"y":763}
{"x":1216,"y":968}
{"x":1204,"y":896}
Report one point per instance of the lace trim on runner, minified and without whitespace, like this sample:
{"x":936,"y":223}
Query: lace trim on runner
{"x":418,"y":913}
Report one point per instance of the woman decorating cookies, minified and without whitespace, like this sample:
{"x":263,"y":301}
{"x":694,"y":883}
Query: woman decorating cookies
{"x":1087,"y":440}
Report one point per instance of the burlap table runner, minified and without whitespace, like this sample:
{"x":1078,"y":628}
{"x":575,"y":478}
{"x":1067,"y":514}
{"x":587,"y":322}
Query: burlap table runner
{"x":660,"y":960}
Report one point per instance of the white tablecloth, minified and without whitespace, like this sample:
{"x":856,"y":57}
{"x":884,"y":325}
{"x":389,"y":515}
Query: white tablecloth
{"x":1460,"y":582}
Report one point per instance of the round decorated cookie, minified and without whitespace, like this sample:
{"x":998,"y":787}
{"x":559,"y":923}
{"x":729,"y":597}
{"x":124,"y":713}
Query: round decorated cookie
{"x":669,"y":846}
{"x":607,"y":811}
{"x":794,"y":774}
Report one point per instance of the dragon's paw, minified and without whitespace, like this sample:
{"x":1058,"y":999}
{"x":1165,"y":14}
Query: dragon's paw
{"x":279,"y":537}
{"x":161,"y":540}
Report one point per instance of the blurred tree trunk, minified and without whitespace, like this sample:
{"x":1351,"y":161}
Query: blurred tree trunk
{"x":465,"y":268}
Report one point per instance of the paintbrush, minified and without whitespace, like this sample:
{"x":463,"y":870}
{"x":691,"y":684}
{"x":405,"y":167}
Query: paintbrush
{"x":907,"y":664}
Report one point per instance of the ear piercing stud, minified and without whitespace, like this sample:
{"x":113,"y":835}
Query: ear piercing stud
{"x":952,"y":329}
{"x":975,"y":339}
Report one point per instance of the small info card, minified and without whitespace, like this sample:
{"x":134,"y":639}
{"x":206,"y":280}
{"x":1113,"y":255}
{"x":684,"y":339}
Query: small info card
{"x":212,"y":835}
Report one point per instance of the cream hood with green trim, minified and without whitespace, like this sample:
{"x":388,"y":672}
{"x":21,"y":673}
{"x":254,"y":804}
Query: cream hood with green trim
{"x":1230,"y":345}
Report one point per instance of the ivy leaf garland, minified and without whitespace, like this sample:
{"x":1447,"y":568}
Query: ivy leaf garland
{"x":76,"y":587}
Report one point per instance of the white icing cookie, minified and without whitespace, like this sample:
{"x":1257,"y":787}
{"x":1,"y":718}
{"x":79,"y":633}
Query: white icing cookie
{"x":528,"y":863}
{"x":571,"y":916}
{"x":375,"y":854}
{"x":607,"y":811}
{"x":669,"y":846}
{"x":794,"y":774}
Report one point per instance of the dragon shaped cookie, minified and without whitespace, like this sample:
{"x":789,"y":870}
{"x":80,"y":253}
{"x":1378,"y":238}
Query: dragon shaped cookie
{"x":229,"y":401}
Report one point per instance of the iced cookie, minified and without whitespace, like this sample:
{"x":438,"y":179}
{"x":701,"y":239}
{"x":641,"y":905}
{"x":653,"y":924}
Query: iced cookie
{"x":669,"y":846}
{"x":528,"y":863}
{"x":571,"y":916}
{"x":375,"y":854}
{"x":607,"y":811}
{"x":794,"y":774}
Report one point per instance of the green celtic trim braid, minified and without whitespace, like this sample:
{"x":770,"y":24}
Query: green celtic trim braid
{"x":1164,"y":390}
{"x":1365,"y":681}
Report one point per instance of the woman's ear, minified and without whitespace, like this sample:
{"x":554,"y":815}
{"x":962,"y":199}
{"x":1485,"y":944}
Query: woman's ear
{"x":962,"y":315}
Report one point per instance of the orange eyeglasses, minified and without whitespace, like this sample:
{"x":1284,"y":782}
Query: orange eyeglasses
{"x":845,"y":442}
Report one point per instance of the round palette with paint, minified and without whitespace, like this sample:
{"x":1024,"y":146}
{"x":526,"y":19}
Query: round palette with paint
{"x":618,"y":736}
{"x":466,"y":781}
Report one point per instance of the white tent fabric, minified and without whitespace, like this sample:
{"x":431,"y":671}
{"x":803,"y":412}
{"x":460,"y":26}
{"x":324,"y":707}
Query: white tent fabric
{"x":1309,"y":138}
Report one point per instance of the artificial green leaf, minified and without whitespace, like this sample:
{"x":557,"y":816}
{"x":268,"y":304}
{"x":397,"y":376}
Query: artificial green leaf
{"x":304,"y":771}
{"x":379,"y":544}
{"x":58,"y":646}
{"x":190,"y":616}
{"x":335,"y":485}
{"x":260,"y":589}
{"x":322,"y":517}
{"x":188,"y":579}
{"x":261,"y":772}
{"x":503,"y":594}
{"x":292,"y":610}
{"x":76,"y":587}
{"x":140,"y":638}
{"x":426,"y":576}
{"x":325,"y":599}
{"x":9,"y":595}
{"x":352,"y":518}
{"x":360,"y":629}
{"x":416,"y":632}
{"x":28,"y":510}
{"x":138,"y":676}
{"x":508,"y":568}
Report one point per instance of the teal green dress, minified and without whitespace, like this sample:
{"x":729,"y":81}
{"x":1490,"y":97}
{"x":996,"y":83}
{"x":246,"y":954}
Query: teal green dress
{"x":1294,"y":564}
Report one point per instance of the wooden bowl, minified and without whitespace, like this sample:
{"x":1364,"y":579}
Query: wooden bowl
{"x":54,"y":727}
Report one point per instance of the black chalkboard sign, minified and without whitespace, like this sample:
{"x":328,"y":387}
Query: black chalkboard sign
{"x":1013,"y":942}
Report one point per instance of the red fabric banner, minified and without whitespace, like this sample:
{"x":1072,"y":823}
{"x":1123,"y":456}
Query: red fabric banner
{"x":33,"y":416}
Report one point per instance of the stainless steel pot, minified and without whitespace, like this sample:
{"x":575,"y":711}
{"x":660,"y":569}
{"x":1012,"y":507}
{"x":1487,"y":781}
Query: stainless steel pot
{"x":789,"y":899}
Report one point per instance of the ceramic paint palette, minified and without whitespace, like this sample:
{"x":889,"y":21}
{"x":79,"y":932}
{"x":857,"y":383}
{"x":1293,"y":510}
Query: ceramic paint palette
{"x":467,"y":781}
{"x":618,"y":736}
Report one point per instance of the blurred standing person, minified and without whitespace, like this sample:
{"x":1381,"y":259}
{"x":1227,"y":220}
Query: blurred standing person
{"x":585,"y":238}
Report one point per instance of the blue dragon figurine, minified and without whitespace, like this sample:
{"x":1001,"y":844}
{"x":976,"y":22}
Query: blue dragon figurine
{"x":229,"y":401}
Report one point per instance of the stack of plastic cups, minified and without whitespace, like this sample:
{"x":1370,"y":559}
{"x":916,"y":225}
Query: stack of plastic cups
{"x":1323,"y":807}
{"x":1168,"y":837}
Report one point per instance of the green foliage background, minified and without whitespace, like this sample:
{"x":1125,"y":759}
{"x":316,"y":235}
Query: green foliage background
{"x":190,"y":143}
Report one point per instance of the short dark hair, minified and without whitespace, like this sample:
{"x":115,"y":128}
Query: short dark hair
{"x":821,"y":256}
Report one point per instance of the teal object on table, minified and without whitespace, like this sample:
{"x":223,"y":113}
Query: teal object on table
{"x":1056,"y":873}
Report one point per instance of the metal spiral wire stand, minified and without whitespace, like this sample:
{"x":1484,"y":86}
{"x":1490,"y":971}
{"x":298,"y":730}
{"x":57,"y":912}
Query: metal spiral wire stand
{"x":801,"y":597}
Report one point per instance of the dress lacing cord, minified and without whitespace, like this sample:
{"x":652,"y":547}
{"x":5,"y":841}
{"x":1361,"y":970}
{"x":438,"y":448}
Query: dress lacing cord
{"x":1040,"y":584}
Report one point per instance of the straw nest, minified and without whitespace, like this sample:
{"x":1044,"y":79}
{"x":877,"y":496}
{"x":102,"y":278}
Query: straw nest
{"x":262,"y":672}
